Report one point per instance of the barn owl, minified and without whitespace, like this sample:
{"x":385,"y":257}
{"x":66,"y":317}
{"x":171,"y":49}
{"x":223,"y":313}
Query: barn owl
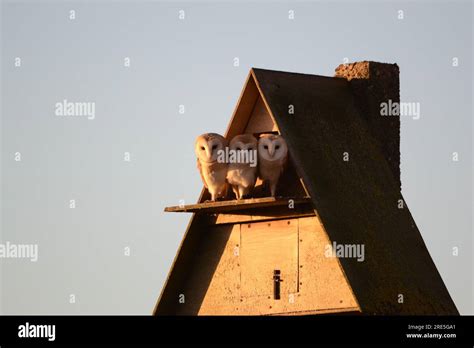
{"x":213,"y":172}
{"x":242,"y":173}
{"x":272,"y":157}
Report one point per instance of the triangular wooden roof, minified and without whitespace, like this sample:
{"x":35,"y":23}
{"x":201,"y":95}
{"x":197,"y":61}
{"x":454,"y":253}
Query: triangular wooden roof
{"x":357,"y":200}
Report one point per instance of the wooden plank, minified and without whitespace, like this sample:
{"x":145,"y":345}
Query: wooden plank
{"x":233,"y":205}
{"x":265,"y":214}
{"x":265,"y":247}
{"x":322,"y":287}
{"x":323,"y":284}
{"x":332,"y":311}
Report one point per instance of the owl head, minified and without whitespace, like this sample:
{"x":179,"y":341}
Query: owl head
{"x":207,"y":146}
{"x":272,"y":147}
{"x":243,"y":142}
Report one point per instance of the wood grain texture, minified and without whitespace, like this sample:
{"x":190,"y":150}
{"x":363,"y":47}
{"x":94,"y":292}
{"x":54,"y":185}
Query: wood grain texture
{"x":233,"y":268}
{"x":265,"y":247}
{"x":239,"y":205}
{"x":322,"y":287}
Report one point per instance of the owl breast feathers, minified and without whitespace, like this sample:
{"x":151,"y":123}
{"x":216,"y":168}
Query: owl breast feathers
{"x":243,"y":175}
{"x":213,"y":173}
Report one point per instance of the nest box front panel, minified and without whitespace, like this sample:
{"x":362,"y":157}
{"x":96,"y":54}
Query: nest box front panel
{"x":271,"y":267}
{"x":212,"y":286}
{"x":268,"y":248}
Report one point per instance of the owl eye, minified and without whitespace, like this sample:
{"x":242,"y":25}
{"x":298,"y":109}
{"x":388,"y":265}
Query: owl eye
{"x":214,"y":147}
{"x":277,"y":147}
{"x":265,"y":147}
{"x":202,"y":148}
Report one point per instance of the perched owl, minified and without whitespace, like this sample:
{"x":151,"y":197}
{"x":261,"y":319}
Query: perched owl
{"x":242,"y":173}
{"x":272,"y":157}
{"x":213,"y":172}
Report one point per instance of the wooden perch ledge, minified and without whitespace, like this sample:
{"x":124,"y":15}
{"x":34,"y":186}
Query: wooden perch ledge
{"x":234,"y":205}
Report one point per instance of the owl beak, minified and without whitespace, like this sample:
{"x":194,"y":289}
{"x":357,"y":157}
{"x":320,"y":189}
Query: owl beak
{"x":208,"y":152}
{"x":271,"y":150}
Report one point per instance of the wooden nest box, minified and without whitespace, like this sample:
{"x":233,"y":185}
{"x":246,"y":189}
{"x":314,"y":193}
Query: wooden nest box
{"x":269,"y":256}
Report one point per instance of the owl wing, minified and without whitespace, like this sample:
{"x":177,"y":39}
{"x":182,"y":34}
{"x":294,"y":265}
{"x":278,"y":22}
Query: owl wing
{"x":284,"y":164}
{"x":200,"y":172}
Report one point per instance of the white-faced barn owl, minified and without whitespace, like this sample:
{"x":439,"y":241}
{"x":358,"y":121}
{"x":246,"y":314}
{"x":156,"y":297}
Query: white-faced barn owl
{"x":213,"y":172}
{"x":272,"y":158}
{"x":242,"y":176}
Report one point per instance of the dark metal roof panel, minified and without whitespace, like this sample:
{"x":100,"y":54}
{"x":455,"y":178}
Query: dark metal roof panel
{"x":357,"y":200}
